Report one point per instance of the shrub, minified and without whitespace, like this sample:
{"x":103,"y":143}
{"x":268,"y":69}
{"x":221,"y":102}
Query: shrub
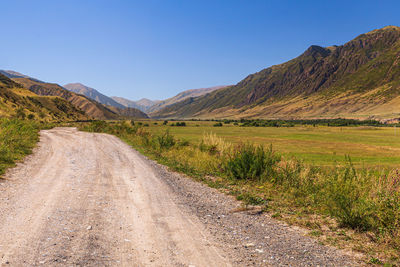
{"x":165,"y":122}
{"x":20,"y":114}
{"x":387,"y":214}
{"x":183,"y":143}
{"x":348,"y":200}
{"x":251,"y":162}
{"x":97,"y":126}
{"x":218,"y":124}
{"x":166,"y":140}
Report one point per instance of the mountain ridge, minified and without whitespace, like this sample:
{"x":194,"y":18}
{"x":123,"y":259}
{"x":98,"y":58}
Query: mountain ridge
{"x":325,"y":75}
{"x":90,"y":107}
{"x":17,"y":101}
{"x":150,"y":106}
{"x":142,"y":104}
{"x":92,"y":93}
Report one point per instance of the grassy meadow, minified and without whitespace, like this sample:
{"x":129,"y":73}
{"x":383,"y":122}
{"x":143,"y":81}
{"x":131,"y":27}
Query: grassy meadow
{"x":320,"y":145}
{"x":17,"y":139}
{"x":297,"y":174}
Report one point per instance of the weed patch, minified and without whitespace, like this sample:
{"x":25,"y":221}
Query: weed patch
{"x":17,"y":139}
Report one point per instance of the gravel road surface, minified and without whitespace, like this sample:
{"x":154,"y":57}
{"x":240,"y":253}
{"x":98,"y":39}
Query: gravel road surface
{"x":85,"y":199}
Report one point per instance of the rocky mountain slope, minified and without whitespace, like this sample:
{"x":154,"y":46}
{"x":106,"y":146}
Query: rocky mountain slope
{"x":87,"y":106}
{"x":92,"y":94}
{"x":90,"y":107}
{"x":17,"y":101}
{"x":358,"y":79}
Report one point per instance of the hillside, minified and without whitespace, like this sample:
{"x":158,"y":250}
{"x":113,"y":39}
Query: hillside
{"x":90,"y":107}
{"x":359,"y":79}
{"x":92,"y":94}
{"x":152,"y":106}
{"x":143,"y":104}
{"x":13,"y":74}
{"x":182,"y":96}
{"x":129,"y":113}
{"x":17,"y":101}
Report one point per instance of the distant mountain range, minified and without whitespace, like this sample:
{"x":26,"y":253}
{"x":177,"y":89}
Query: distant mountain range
{"x":149,"y":106}
{"x":191,"y":93}
{"x":92,"y":94}
{"x":96,"y":105}
{"x":360,"y":79}
{"x":93,"y":104}
{"x":143,"y":104}
{"x":86,"y":106}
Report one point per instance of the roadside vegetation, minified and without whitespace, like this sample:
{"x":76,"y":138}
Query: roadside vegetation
{"x":343,"y":205}
{"x":17,"y":139}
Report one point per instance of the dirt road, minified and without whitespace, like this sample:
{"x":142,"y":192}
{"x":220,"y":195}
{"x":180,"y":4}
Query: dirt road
{"x":86,"y":199}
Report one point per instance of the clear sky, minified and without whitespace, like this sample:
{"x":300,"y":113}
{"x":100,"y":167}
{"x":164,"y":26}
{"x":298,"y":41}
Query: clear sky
{"x":156,"y":49}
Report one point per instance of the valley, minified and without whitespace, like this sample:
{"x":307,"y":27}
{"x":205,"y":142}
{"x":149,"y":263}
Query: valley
{"x":368,"y":146}
{"x":296,"y":164}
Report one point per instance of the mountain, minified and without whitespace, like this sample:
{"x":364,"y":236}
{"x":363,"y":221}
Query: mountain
{"x":92,"y":94}
{"x":129,"y":112}
{"x":13,"y":74}
{"x":360,"y":79}
{"x":143,"y":104}
{"x":15,"y":100}
{"x":149,"y":106}
{"x":89,"y":107}
{"x":182,"y":96}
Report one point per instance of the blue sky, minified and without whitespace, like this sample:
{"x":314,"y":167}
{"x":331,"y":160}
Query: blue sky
{"x":156,"y":49}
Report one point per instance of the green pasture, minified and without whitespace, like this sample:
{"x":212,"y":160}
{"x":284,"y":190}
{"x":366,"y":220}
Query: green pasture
{"x":320,"y":145}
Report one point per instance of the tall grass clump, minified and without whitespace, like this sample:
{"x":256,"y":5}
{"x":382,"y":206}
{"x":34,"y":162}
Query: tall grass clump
{"x":215,"y":145}
{"x":17,"y":139}
{"x":348,"y":197}
{"x":252,"y":162}
{"x":165,"y":140}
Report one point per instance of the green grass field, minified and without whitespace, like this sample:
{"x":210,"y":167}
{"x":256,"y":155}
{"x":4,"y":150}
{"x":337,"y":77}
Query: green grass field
{"x":320,"y":145}
{"x":17,"y":139}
